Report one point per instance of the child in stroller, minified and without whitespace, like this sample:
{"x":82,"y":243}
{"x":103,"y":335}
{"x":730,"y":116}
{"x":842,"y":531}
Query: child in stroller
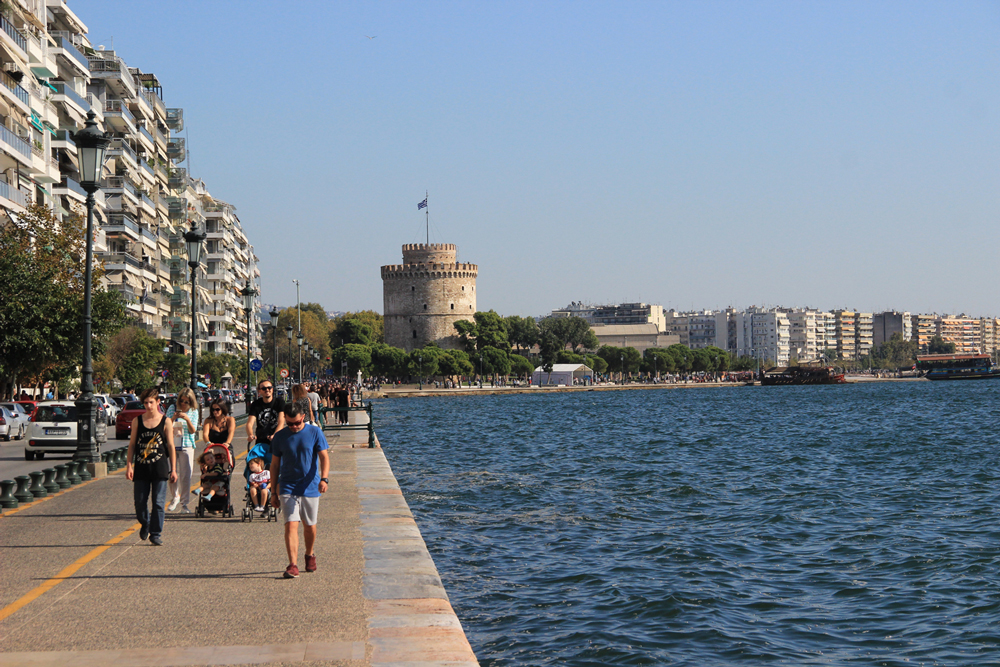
{"x":257,"y":497}
{"x":216,"y":468}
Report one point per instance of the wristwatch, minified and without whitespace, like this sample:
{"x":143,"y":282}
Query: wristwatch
{"x":324,"y":479}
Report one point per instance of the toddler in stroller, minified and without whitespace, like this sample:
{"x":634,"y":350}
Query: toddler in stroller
{"x":258,"y":483}
{"x":216,"y":469}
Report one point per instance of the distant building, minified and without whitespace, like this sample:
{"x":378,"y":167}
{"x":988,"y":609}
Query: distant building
{"x":764,"y":334}
{"x":576,"y":309}
{"x":962,"y":331}
{"x":629,"y":313}
{"x":923,"y":328}
{"x":845,"y":327}
{"x":886,"y":325}
{"x":639,"y":336}
{"x":863,"y":335}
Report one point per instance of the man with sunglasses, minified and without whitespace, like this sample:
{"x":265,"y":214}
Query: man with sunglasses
{"x":300,"y":465}
{"x":266,"y":415}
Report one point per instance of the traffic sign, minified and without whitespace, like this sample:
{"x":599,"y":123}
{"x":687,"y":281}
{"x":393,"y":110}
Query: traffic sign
{"x":284,"y":372}
{"x":314,"y":375}
{"x":163,"y":374}
{"x":256,"y":365}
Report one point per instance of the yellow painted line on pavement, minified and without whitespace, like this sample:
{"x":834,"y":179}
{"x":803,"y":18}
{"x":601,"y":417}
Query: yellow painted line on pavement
{"x":71,"y":569}
{"x":65,"y":574}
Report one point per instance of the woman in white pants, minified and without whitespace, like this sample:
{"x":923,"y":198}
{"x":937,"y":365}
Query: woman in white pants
{"x":185,"y":418}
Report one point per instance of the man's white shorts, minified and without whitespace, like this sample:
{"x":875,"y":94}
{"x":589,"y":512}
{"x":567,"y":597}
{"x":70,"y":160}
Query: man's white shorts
{"x":300,"y":508}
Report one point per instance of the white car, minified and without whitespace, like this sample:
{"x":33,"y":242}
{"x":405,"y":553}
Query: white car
{"x":53,"y":429}
{"x":18,"y":421}
{"x":109,"y":406}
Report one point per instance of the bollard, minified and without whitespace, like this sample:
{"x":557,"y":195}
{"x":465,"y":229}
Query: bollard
{"x":50,"y":480}
{"x":122,"y":456}
{"x":21,"y":492}
{"x":7,"y":499}
{"x":371,"y":427}
{"x":71,"y":472}
{"x":108,"y":458}
{"x":61,"y":479}
{"x":82,"y":472}
{"x":36,"y":488}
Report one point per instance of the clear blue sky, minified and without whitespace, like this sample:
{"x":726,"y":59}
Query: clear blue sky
{"x":694,"y":154}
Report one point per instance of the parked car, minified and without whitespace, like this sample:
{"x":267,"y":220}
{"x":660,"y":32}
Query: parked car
{"x":110,"y":407}
{"x":125,"y":398}
{"x":29,"y":406}
{"x":206,"y":398}
{"x":53,"y":429}
{"x":8,"y":424}
{"x":18,"y":421}
{"x":123,"y":424}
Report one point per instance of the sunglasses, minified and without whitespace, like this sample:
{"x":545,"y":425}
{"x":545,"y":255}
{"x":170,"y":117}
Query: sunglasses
{"x":297,"y":424}
{"x":266,"y":388}
{"x":216,"y":410}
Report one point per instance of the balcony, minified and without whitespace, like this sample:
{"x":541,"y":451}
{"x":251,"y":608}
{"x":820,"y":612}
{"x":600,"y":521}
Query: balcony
{"x":19,"y":93}
{"x":155,"y":102}
{"x":65,"y":93}
{"x":143,"y":132}
{"x":66,"y":47}
{"x":145,"y":165}
{"x":178,"y":179}
{"x":15,"y":35}
{"x":175,"y":119}
{"x":16,"y":142}
{"x":161,"y":138}
{"x":69,"y":187}
{"x":115,"y":73}
{"x":118,"y":116}
{"x":119,"y":184}
{"x":175,"y":149}
{"x":13,"y":194}
{"x":122,"y":223}
{"x":64,"y":139}
{"x":121,"y":147}
{"x":177,"y":208}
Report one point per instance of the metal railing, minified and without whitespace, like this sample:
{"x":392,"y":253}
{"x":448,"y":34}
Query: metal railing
{"x":115,"y":66}
{"x":122,"y":220}
{"x":144,"y":131}
{"x":63,"y":89}
{"x":16,"y":142}
{"x":370,"y":426}
{"x":70,"y":49}
{"x":13,"y":194}
{"x":119,"y":147}
{"x":121,"y":183}
{"x":13,"y":33}
{"x":70,"y":184}
{"x":119,"y":108}
{"x":12,"y":85}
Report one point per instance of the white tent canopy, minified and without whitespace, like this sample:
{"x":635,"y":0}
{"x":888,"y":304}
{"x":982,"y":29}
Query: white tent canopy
{"x":562,"y":374}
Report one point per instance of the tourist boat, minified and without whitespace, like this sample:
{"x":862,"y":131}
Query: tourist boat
{"x":957,"y":367}
{"x":802,"y":375}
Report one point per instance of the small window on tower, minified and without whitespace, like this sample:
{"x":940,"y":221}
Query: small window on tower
{"x":425,"y":306}
{"x":463,"y":288}
{"x":414,"y":333}
{"x":453,"y":306}
{"x":412,"y":288}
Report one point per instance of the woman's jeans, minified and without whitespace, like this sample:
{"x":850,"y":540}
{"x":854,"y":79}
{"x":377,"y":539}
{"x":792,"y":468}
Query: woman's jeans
{"x":143,"y":489}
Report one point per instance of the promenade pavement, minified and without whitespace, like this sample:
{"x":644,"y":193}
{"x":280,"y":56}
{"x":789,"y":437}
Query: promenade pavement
{"x":80,"y":588}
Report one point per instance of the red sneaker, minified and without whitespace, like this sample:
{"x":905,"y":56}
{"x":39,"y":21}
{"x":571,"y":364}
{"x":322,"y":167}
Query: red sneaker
{"x":310,"y":563}
{"x":291,"y":571}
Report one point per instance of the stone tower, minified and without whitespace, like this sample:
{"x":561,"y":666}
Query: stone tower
{"x":425,"y":295}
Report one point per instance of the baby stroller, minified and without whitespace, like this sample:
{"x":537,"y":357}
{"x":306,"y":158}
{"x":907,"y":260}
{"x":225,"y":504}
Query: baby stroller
{"x":220,"y":502}
{"x":261,"y":450}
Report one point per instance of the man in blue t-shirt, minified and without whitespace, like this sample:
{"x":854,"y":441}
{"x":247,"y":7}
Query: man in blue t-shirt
{"x":300,"y":464}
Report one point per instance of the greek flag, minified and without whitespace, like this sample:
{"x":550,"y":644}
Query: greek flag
{"x":422,"y":204}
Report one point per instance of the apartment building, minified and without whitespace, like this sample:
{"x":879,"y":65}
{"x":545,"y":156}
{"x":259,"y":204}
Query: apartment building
{"x":922,"y":329}
{"x":677,"y":324}
{"x":864,"y":337}
{"x":845,"y":333}
{"x":764,"y":334}
{"x":629,"y":313}
{"x":703,"y":330}
{"x":886,"y":324}
{"x":989,"y":335}
{"x":826,"y":332}
{"x":803,"y":335}
{"x":963,"y":331}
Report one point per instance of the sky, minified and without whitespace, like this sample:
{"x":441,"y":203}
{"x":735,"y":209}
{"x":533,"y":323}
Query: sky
{"x":691,"y":154}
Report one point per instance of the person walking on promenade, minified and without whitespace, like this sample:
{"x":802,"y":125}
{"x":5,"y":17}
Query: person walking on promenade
{"x":300,"y":465}
{"x":185,"y":415}
{"x":314,"y":403}
{"x":266,"y":415}
{"x":300,"y":398}
{"x":220,"y":426}
{"x":150,"y":462}
{"x":343,"y":397}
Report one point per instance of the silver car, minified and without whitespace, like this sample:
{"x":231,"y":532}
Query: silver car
{"x":18,"y":421}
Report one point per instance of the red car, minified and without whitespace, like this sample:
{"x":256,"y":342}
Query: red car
{"x":29,"y":407}
{"x":123,"y":424}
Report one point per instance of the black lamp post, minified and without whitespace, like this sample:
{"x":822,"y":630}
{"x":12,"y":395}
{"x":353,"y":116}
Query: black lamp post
{"x":91,"y":144}
{"x":288,"y":332}
{"x":301,"y":339}
{"x":274,"y":330}
{"x":420,"y":372}
{"x":193,"y":238}
{"x":248,"y":293}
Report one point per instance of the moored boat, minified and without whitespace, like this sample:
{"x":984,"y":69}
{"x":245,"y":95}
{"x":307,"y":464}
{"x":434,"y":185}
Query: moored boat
{"x":957,"y":367}
{"x":801,"y":375}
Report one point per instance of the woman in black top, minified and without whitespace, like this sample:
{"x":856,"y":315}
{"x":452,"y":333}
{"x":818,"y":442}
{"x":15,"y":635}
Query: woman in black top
{"x":150,"y":463}
{"x":220,"y":426}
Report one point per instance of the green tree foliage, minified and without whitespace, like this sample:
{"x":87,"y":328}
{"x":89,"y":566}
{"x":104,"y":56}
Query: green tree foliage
{"x":895,"y":353}
{"x":522,"y":332}
{"x":521,"y":366}
{"x":488,"y":330}
{"x":355,"y":331}
{"x":938,"y":345}
{"x":613,"y":355}
{"x":597,"y":364}
{"x":314,"y":331}
{"x":746,"y":363}
{"x":315,"y":309}
{"x":658,"y":360}
{"x":358,"y":358}
{"x":41,"y":314}
{"x":376,"y":327}
{"x":567,"y":357}
{"x":389,"y":361}
{"x":424,"y":362}
{"x":572,"y":331}
{"x":457,"y":363}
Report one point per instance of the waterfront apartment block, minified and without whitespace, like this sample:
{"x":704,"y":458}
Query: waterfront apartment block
{"x":964,"y":332}
{"x":863,"y":335}
{"x":52,"y":76}
{"x":620,"y":313}
{"x":886,"y":325}
{"x":803,"y":335}
{"x":845,"y":328}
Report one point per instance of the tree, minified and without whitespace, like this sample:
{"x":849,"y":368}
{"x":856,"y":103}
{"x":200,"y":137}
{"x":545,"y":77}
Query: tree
{"x":358,"y":358}
{"x":355,"y":331}
{"x":520,"y":366}
{"x":495,"y":361}
{"x":895,"y":353}
{"x":683,"y":359}
{"x":459,"y":363}
{"x":567,"y":357}
{"x":522,"y":331}
{"x":658,"y":360}
{"x":572,"y":331}
{"x":314,"y":331}
{"x":938,"y":345}
{"x":701,"y":361}
{"x":424,"y":362}
{"x":598,"y":365}
{"x":141,"y":358}
{"x":487,"y":330}
{"x":373,"y":320}
{"x":389,"y":361}
{"x":613,"y":355}
{"x":315,"y":309}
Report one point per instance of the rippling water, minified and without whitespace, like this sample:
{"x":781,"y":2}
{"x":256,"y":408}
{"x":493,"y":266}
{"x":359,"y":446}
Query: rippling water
{"x":746,"y":525}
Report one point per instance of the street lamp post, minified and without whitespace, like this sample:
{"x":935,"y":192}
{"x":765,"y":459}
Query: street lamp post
{"x":193,"y":238}
{"x":248,"y":293}
{"x":274,"y":330}
{"x":301,"y":338}
{"x":288,"y":333}
{"x":623,"y":368}
{"x":91,"y":144}
{"x":420,"y":371}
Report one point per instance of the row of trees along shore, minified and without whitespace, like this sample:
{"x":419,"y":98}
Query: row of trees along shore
{"x":41,"y":269}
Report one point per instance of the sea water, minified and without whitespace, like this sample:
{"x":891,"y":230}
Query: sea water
{"x":852,"y":524}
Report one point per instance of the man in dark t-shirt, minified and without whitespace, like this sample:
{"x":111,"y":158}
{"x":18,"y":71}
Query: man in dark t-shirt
{"x":266,"y":414}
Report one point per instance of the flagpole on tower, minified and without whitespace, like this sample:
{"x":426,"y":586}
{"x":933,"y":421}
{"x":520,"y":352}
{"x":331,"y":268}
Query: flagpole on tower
{"x":427,"y":214}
